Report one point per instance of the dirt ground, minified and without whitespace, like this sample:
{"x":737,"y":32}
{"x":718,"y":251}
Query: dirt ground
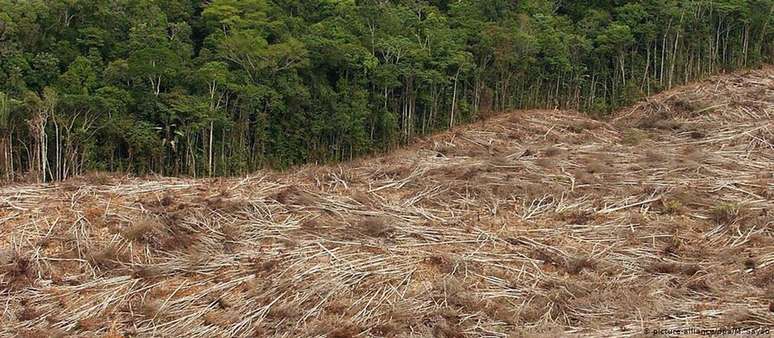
{"x":532,"y":223}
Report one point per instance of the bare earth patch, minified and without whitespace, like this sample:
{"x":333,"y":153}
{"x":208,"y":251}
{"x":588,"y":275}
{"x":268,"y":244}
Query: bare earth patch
{"x":530,"y":223}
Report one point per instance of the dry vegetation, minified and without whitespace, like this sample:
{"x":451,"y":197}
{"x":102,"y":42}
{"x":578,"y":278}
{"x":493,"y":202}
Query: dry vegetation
{"x":531,"y":223}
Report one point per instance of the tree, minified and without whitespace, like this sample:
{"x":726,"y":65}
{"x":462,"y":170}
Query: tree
{"x":216,"y":77}
{"x":229,"y":86}
{"x":40,"y":109}
{"x":79,"y":79}
{"x":7,"y":106}
{"x":155,"y":65}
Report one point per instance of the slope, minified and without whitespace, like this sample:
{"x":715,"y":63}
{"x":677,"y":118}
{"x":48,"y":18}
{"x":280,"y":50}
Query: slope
{"x":529,"y":223}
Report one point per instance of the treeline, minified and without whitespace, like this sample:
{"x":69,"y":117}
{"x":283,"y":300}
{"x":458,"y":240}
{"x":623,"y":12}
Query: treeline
{"x":222,"y":87}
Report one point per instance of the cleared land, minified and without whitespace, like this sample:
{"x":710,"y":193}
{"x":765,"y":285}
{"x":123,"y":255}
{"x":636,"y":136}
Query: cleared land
{"x":534,"y":222}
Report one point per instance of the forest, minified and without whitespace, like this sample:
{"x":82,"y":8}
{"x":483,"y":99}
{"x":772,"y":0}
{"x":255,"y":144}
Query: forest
{"x":225,"y":87}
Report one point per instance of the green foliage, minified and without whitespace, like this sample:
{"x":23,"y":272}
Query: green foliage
{"x":6,"y":106}
{"x":79,"y":79}
{"x":672,"y":206}
{"x":183,"y":87}
{"x":727,"y":213}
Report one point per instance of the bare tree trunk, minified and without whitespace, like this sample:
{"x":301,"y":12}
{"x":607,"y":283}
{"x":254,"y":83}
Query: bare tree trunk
{"x":5,"y":149}
{"x":209,"y":149}
{"x":57,"y":151}
{"x":11,"y":168}
{"x":663,"y":53}
{"x":43,"y":150}
{"x":746,"y":44}
{"x":647,"y":69}
{"x":674,"y":58}
{"x":454,"y":101}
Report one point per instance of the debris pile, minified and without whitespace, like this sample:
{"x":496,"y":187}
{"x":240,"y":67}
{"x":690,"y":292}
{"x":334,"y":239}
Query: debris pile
{"x":532,"y":222}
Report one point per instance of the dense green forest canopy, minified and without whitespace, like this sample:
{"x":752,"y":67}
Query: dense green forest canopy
{"x":223,"y":87}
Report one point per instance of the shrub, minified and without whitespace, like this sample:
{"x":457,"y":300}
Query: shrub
{"x":726,"y":213}
{"x":672,"y":207}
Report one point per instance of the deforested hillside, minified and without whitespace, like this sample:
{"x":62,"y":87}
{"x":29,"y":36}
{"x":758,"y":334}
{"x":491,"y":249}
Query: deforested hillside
{"x":529,"y":223}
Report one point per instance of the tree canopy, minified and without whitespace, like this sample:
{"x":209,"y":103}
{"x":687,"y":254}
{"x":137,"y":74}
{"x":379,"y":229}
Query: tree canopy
{"x":223,"y":87}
